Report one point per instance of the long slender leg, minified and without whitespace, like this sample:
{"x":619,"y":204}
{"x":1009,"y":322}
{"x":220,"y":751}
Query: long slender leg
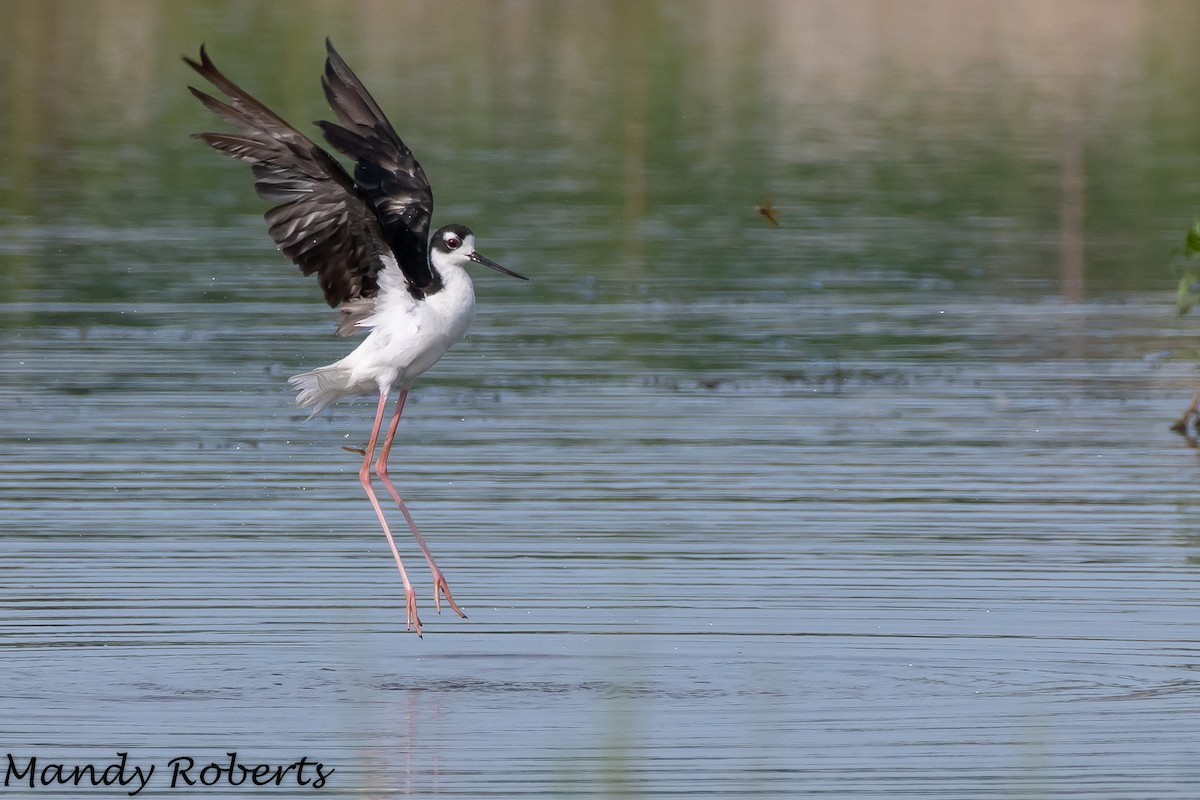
{"x":440,"y":586}
{"x":364,"y":477}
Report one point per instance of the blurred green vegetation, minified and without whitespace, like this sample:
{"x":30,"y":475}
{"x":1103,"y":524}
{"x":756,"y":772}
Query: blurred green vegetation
{"x":1187,"y":264}
{"x":621,"y":145}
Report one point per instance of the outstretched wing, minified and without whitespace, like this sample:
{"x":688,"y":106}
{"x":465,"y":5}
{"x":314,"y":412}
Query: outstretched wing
{"x":385,"y":170}
{"x":324,"y":222}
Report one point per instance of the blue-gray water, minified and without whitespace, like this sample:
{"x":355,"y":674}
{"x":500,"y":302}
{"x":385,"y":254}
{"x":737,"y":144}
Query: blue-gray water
{"x":879,"y":503}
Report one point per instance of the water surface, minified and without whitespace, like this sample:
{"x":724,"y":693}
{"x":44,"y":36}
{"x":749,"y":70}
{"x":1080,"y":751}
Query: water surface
{"x":879,"y":503}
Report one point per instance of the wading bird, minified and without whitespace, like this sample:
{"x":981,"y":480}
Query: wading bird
{"x":366,"y":236}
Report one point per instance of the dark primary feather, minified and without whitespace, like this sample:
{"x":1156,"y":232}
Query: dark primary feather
{"x":385,"y":170}
{"x":323,"y":221}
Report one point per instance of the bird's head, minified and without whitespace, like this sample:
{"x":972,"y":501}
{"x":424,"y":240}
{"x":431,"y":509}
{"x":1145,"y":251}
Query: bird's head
{"x":454,"y":245}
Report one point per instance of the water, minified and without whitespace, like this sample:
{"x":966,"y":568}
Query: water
{"x":880,"y":503}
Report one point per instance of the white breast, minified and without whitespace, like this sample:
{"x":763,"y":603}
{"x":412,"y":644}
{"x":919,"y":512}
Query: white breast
{"x":409,"y":336}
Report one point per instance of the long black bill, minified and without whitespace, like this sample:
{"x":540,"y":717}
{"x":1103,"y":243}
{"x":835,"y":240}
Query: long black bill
{"x":487,"y":262}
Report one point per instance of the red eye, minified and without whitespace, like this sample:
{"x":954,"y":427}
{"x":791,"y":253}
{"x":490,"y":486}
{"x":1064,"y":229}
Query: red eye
{"x":453,"y":242}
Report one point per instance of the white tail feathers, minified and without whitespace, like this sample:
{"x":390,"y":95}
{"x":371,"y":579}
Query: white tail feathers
{"x":322,"y":387}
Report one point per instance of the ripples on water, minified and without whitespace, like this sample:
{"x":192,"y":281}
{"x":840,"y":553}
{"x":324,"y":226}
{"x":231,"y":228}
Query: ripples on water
{"x":820,"y":519}
{"x":896,"y":572}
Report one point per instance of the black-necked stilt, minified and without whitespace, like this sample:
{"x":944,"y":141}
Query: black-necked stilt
{"x":367,"y":239}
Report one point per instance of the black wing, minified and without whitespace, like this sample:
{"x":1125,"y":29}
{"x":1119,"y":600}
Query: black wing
{"x":324,"y":222}
{"x":385,"y":170}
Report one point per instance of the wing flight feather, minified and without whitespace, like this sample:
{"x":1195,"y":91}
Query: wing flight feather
{"x":323,"y":220}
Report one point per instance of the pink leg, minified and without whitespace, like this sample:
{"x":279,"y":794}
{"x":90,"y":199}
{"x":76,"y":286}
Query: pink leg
{"x":364,"y":477}
{"x":440,"y":586}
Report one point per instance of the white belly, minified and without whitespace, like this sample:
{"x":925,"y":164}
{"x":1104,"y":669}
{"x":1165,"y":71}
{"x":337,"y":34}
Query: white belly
{"x":408,"y":337}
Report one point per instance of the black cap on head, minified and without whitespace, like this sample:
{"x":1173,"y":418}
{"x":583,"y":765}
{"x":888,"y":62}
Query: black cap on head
{"x":449,"y":238}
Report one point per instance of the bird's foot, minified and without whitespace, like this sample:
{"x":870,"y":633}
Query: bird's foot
{"x":440,"y":587}
{"x":413,"y":621}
